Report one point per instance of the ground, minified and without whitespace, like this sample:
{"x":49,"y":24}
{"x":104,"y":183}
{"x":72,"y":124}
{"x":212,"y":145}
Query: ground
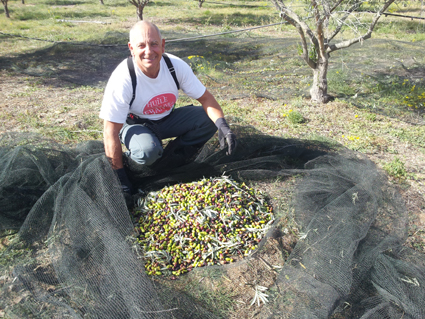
{"x":57,"y":92}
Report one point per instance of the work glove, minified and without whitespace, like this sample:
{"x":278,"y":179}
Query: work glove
{"x":126,"y":185}
{"x":225,"y":135}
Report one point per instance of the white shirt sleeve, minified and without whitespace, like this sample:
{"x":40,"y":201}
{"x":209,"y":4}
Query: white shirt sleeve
{"x":117,"y":95}
{"x":188,"y":81}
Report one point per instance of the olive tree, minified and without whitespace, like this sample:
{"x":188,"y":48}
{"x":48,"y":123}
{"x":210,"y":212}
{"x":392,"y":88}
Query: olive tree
{"x":140,"y":5}
{"x":318,"y":26}
{"x":6,"y":10}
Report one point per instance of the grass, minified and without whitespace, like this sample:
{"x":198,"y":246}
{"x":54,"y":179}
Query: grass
{"x":207,"y":287}
{"x":396,"y":168}
{"x":257,"y":76}
{"x":10,"y":256}
{"x":260,"y":66}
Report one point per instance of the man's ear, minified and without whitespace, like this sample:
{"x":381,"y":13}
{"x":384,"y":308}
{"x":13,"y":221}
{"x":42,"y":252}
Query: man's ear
{"x":163,"y":45}
{"x":130,"y":48}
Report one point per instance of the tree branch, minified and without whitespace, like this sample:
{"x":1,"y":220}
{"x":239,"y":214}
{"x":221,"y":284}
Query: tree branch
{"x":342,"y":21}
{"x":336,"y":6}
{"x":367,"y":35}
{"x":302,"y":28}
{"x":320,"y":34}
{"x":326,"y":14}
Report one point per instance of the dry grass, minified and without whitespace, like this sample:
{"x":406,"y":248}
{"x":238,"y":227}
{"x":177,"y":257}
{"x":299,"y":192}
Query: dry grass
{"x":258,"y":79}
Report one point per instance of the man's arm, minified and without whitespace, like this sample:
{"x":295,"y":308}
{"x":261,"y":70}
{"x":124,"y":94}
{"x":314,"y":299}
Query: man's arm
{"x":112,"y":143}
{"x":211,"y":106}
{"x":215,"y":113}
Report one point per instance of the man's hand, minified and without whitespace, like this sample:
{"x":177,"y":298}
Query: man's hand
{"x":215,"y":113}
{"x":225,"y":135}
{"x":113,"y":149}
{"x":126,"y":185}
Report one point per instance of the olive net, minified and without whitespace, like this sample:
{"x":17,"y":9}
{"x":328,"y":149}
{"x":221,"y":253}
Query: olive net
{"x":335,"y":249}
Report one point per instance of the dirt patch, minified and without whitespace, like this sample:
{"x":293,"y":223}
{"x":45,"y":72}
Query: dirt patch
{"x":231,"y":289}
{"x":31,"y":103}
{"x":60,"y":88}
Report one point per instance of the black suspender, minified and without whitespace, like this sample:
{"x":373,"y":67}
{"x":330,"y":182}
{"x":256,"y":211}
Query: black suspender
{"x":171,"y":68}
{"x":133,"y":77}
{"x":133,"y":74}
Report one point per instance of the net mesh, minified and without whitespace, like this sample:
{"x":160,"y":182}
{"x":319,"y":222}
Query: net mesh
{"x":335,"y":250}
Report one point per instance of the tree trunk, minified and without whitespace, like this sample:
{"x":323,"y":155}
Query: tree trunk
{"x":23,"y":1}
{"x":140,"y":12}
{"x":319,"y":89}
{"x":200,"y":3}
{"x":6,"y":10}
{"x":101,"y":1}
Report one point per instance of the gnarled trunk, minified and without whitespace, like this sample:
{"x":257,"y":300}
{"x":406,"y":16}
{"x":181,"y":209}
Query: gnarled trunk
{"x":140,"y":12}
{"x":6,"y":10}
{"x":140,"y":5}
{"x":319,"y":89}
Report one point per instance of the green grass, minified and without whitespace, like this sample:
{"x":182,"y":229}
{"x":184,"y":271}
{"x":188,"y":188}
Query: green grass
{"x":206,"y":286}
{"x":40,"y":18}
{"x":257,"y":77}
{"x":246,"y":68}
{"x":394,"y":94}
{"x":396,"y":168}
{"x":9,"y":256}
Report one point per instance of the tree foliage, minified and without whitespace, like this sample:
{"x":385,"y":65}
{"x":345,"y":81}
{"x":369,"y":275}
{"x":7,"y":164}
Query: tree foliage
{"x":319,"y":26}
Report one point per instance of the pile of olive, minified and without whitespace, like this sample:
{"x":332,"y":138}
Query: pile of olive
{"x":212,"y":221}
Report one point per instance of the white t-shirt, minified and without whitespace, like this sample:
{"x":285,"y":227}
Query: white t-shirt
{"x":155,"y":98}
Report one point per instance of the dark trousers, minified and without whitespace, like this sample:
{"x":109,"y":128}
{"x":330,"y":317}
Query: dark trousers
{"x":189,"y":124}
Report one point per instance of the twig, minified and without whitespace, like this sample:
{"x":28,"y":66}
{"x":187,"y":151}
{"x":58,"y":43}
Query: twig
{"x":159,"y":311}
{"x":80,"y":21}
{"x":267,"y":264}
{"x":81,"y":131}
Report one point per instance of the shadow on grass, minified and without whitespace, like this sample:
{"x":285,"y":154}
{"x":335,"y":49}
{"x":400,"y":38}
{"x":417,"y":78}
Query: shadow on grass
{"x":261,"y":67}
{"x":65,"y":2}
{"x":378,"y":75}
{"x":234,"y":19}
{"x":397,"y":94}
{"x":213,"y":5}
{"x":92,"y":64}
{"x":161,"y":4}
{"x":232,"y":5}
{"x":401,"y":26}
{"x":29,"y":15}
{"x":409,"y":11}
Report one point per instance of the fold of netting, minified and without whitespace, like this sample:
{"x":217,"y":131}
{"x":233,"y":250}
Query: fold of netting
{"x":353,"y":222}
{"x":82,"y":259}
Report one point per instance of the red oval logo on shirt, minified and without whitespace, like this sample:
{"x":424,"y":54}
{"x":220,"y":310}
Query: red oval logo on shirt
{"x":160,"y":104}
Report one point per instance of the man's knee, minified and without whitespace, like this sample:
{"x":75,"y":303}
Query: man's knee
{"x":144,"y":146}
{"x":145,"y":156}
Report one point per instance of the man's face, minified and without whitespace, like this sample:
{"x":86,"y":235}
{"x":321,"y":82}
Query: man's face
{"x":147,"y":48}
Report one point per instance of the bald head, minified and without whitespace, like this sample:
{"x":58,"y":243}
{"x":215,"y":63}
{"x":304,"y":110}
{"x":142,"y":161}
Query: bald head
{"x":146,"y":46}
{"x":142,"y":27}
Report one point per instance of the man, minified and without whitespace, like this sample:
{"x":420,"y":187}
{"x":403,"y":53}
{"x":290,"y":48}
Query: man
{"x":140,"y":122}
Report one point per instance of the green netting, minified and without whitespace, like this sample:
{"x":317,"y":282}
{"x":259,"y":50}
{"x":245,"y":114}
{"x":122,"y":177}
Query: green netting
{"x":334,"y":251}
